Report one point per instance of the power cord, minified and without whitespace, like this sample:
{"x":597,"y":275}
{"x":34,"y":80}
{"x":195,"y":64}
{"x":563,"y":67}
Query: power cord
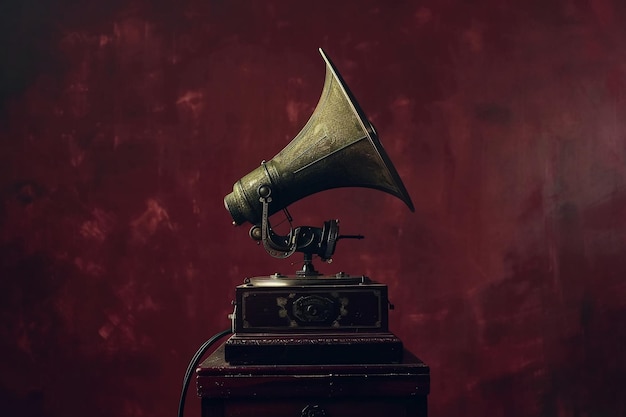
{"x":195,"y":360}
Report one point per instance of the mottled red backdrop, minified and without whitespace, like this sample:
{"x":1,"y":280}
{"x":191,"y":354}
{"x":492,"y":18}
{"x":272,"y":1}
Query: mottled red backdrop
{"x":124,"y":123}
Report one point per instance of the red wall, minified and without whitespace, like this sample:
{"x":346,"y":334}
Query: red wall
{"x":124,"y":123}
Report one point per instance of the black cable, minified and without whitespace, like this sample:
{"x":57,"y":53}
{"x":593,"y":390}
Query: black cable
{"x":195,"y":360}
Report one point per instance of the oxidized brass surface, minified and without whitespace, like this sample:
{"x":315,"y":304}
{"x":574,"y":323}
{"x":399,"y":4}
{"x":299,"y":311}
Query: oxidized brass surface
{"x":338,"y":147}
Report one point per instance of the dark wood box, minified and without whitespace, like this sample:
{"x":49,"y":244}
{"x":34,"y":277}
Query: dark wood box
{"x":280,"y":319}
{"x":283,"y":306}
{"x":339,"y":390}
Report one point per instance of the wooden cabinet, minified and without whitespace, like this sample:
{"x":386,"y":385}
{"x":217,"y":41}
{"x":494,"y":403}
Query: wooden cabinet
{"x":363,"y":390}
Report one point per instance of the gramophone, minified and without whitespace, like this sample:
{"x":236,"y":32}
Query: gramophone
{"x":309,"y":317}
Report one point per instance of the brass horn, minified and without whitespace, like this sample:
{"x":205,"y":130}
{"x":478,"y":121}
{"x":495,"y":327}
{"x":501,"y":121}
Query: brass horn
{"x":338,"y":147}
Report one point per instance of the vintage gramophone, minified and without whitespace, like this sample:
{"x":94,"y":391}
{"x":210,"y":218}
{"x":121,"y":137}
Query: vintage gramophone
{"x":310,"y":318}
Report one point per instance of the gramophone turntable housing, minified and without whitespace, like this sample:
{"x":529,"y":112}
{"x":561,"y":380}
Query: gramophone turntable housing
{"x":310,"y":318}
{"x":327,"y":319}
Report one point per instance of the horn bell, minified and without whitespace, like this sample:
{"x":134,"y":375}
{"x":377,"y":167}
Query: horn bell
{"x":338,"y":147}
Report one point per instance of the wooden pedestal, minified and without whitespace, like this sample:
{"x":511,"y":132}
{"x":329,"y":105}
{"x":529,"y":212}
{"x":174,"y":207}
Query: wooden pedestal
{"x":363,"y":390}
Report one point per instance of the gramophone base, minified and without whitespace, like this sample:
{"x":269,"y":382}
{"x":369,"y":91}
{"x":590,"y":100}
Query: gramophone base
{"x":321,"y":305}
{"x":311,"y":349}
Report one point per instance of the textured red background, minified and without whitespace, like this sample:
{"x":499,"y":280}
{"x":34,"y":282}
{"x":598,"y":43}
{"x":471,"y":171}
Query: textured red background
{"x":124,"y":123}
